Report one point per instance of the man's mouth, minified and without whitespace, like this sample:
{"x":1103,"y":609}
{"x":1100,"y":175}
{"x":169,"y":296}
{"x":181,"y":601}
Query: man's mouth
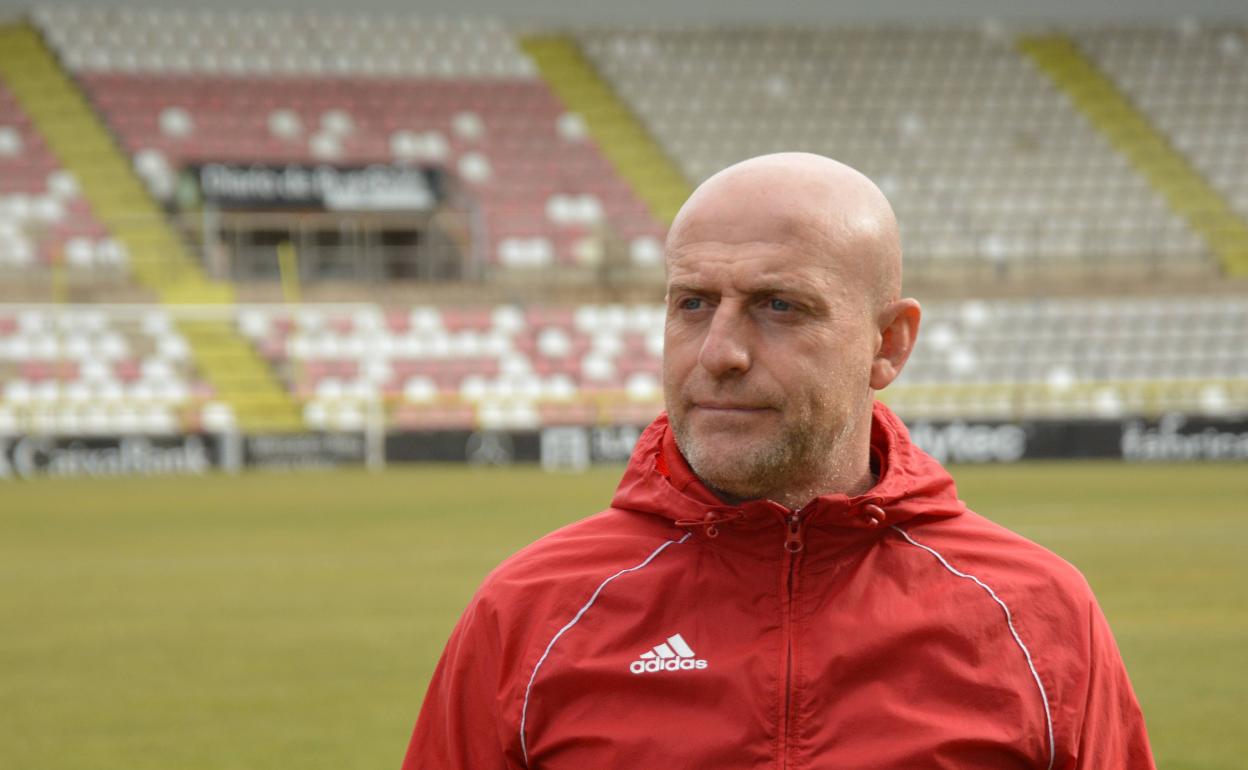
{"x":728,"y":406}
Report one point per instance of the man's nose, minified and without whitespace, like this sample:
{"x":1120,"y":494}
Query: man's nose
{"x":726,"y":347}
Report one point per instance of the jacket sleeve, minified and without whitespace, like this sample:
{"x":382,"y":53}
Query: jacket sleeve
{"x":1112,"y":733}
{"x":462,"y":725}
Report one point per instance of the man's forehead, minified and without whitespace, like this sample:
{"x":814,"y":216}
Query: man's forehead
{"x":779,"y":239}
{"x":803,"y":224}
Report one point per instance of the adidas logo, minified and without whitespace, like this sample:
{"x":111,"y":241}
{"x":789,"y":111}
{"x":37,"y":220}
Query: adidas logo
{"x":673,"y":655}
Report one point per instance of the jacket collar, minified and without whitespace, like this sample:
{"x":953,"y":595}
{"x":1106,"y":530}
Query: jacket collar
{"x":909,"y":483}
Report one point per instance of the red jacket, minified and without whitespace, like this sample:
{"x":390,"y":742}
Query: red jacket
{"x":896,"y":629}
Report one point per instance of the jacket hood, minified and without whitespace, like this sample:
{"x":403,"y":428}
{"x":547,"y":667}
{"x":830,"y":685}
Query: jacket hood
{"x":909,"y":483}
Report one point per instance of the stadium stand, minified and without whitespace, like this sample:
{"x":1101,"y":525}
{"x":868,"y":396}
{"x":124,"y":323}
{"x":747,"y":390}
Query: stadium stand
{"x":1208,"y":123}
{"x":181,"y":88}
{"x":99,"y":370}
{"x":1203,"y":126}
{"x":108,"y":368}
{"x":512,"y":367}
{"x":1077,"y":357}
{"x":612,"y":123}
{"x":990,"y":168}
{"x":576,"y":151}
{"x":496,"y":367}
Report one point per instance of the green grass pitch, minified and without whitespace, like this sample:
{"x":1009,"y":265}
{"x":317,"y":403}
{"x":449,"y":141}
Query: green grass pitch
{"x":292,"y":620}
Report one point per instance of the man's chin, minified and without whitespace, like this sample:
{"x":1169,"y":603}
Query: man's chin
{"x":728,"y":467}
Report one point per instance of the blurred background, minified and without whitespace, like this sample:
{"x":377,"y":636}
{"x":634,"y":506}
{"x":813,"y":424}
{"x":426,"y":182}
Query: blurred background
{"x":312,"y":312}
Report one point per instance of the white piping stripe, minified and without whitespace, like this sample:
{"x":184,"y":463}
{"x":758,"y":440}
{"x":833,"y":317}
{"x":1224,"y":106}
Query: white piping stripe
{"x":1009,"y":619}
{"x":524,"y":711}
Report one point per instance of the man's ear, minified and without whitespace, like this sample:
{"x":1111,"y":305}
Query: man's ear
{"x":898,"y":327}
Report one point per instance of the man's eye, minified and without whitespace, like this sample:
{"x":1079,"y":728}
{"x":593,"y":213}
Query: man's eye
{"x":690,"y":303}
{"x":779,"y":305}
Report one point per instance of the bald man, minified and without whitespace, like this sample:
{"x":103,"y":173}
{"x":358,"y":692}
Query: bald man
{"x":782,"y":580}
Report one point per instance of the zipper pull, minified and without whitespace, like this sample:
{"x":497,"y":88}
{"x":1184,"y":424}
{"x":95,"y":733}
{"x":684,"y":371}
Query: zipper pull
{"x":793,"y":537}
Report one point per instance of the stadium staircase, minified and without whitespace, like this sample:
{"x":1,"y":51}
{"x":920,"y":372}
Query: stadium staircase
{"x":622,"y":138}
{"x":160,"y":260}
{"x":241,"y":377}
{"x":1132,"y":133}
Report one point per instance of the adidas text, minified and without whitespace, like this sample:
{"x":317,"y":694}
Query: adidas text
{"x":673,"y":655}
{"x":650,"y":666}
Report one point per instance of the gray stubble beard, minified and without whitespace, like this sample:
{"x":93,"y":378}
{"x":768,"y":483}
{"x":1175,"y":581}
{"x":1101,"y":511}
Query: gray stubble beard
{"x":770,"y":470}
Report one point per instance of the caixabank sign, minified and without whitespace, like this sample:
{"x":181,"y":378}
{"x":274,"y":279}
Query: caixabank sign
{"x":31,"y":456}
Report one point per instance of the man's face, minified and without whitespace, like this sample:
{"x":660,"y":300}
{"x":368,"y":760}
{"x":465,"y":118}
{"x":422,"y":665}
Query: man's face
{"x":768,"y":348}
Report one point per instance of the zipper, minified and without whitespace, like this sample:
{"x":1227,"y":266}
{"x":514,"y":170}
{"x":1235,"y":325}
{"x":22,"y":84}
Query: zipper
{"x":793,"y":544}
{"x":793,"y":537}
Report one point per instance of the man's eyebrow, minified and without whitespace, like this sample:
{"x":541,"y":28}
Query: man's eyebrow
{"x":687,"y":288}
{"x":766,"y":289}
{"x":758,"y":290}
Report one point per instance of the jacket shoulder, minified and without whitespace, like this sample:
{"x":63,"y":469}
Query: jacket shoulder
{"x":528,"y":600}
{"x":592,"y":548}
{"x":1046,"y":600}
{"x":532,"y":593}
{"x":1004,"y":561}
